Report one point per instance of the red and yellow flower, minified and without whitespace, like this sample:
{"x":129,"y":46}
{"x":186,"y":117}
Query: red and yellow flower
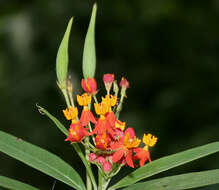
{"x":86,"y":115}
{"x":76,"y":133}
{"x":123,"y":148}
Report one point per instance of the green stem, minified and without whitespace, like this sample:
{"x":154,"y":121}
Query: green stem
{"x":119,"y":107}
{"x":105,"y":183}
{"x":100,"y":180}
{"x":90,"y":176}
{"x":95,"y":99}
{"x":86,"y":163}
{"x":64,"y":91}
{"x":87,"y":152}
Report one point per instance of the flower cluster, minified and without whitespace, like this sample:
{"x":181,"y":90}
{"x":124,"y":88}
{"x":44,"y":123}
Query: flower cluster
{"x":113,"y":145}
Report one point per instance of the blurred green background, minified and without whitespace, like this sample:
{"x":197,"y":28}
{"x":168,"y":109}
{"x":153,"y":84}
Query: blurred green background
{"x":167,"y":49}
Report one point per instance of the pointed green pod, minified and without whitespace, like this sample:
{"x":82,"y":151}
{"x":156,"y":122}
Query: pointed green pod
{"x":89,"y":54}
{"x":62,"y":57}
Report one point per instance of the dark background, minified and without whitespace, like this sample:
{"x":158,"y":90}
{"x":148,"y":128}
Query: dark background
{"x":168,"y":50}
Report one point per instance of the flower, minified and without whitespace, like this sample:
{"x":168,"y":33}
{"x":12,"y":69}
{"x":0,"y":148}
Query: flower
{"x":120,"y":125}
{"x":143,"y":154}
{"x":71,"y":113}
{"x":76,"y":132}
{"x":124,"y":147}
{"x":86,"y":115}
{"x":149,"y":140}
{"x":102,"y":141}
{"x":89,"y":85}
{"x":84,"y":99}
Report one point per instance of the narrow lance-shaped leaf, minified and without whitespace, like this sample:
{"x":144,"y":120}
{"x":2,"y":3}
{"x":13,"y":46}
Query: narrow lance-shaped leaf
{"x":62,"y":58}
{"x":75,"y":145}
{"x":89,"y":54}
{"x":179,"y":182}
{"x":40,"y":159}
{"x":166,"y":163}
{"x":54,"y":119}
{"x":14,"y":184}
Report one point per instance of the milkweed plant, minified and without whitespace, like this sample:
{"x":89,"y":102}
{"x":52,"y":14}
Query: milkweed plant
{"x":100,"y":138}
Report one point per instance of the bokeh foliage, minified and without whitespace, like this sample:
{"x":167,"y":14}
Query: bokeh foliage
{"x":168,"y":50}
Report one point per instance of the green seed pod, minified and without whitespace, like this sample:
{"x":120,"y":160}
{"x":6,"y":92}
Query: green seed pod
{"x":62,"y":58}
{"x":89,"y":54}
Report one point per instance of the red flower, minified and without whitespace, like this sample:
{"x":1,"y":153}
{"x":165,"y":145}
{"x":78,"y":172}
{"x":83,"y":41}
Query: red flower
{"x":76,"y":133}
{"x":89,"y":85}
{"x":87,"y":116}
{"x":123,"y":153}
{"x":124,"y":147}
{"x":110,"y":116}
{"x":143,"y":155}
{"x":102,"y":141}
{"x":102,"y":126}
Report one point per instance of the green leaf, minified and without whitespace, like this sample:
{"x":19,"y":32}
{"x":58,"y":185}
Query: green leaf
{"x":179,"y":182}
{"x":166,"y":163}
{"x":62,"y":58}
{"x":40,"y":159}
{"x":56,"y":121}
{"x":14,"y":184}
{"x":75,"y":145}
{"x":89,"y":54}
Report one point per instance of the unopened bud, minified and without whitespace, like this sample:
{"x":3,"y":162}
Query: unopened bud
{"x":107,"y":166}
{"x":108,"y":80}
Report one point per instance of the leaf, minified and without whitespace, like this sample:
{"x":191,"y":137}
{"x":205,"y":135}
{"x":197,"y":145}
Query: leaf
{"x":40,"y":159}
{"x":179,"y":182}
{"x":166,"y":163}
{"x":62,"y":58}
{"x":56,"y":121}
{"x":14,"y":184}
{"x":89,"y":54}
{"x":75,"y":145}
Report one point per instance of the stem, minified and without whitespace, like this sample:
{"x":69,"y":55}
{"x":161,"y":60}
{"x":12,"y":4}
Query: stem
{"x":64,"y":91}
{"x":90,"y":176}
{"x":95,"y":99}
{"x":100,"y":180}
{"x":105,"y":183}
{"x":87,"y":165}
{"x":87,"y":152}
{"x":119,"y":107}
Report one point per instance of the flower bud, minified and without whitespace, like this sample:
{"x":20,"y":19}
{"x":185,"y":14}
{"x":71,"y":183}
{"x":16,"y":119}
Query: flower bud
{"x":92,"y":157}
{"x":108,"y":80}
{"x":89,"y":85}
{"x":124,"y":84}
{"x":107,"y":166}
{"x":100,"y":160}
